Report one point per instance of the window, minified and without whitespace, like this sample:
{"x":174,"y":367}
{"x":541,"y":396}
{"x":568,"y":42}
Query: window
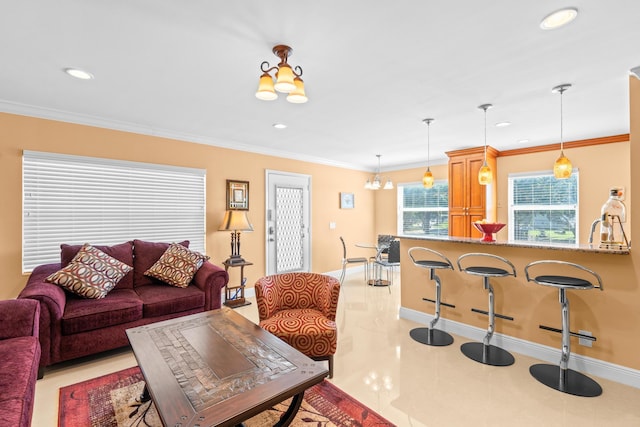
{"x":423,"y":211}
{"x":543,"y":208}
{"x":76,"y":200}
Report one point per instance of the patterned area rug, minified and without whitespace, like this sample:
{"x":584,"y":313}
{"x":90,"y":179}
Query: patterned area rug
{"x":113,"y":400}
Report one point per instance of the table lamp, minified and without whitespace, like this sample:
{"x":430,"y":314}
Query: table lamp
{"x":235,"y":221}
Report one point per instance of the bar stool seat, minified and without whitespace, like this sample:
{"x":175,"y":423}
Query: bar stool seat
{"x":484,"y":352}
{"x":560,"y":377}
{"x":430,"y":335}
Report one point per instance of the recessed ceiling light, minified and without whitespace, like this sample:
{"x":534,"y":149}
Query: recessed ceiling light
{"x":523,"y":141}
{"x":78,"y":73}
{"x":559,"y":18}
{"x":503,"y":124}
{"x":279,"y":126}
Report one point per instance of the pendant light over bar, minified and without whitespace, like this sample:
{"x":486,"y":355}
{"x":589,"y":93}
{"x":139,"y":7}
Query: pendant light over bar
{"x":287,"y":79}
{"x":562,"y":167}
{"x":376,"y":183}
{"x":427,"y":178}
{"x":485,"y":175}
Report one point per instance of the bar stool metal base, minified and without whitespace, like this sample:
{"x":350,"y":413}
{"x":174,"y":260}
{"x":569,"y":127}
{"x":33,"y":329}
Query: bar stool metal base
{"x":494,"y":356}
{"x":434,"y":337}
{"x":574,"y":382}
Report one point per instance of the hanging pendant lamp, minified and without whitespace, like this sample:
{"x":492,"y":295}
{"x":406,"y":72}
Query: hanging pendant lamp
{"x":562,"y":167}
{"x":427,"y":178}
{"x":376,"y":184}
{"x":485,"y":175}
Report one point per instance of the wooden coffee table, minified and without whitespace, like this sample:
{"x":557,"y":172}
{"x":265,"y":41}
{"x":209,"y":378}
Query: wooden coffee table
{"x":219,"y":369}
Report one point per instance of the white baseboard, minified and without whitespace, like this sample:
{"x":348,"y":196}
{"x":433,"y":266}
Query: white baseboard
{"x":599,"y":368}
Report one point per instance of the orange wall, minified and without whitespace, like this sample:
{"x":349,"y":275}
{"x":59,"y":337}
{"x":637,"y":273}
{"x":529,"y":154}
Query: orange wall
{"x":18,"y":133}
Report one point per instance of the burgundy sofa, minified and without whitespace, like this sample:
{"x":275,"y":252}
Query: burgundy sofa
{"x":19,"y":357}
{"x":72,"y":327}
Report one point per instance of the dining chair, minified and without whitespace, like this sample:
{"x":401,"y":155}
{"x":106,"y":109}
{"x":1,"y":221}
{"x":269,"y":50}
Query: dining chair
{"x":346,"y":260}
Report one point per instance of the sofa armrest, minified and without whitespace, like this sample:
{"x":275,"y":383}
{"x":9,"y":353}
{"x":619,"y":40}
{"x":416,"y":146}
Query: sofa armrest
{"x":52,"y":299}
{"x":211,"y":279}
{"x":19,"y":318}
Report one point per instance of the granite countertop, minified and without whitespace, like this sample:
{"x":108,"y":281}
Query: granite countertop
{"x":592,"y":248}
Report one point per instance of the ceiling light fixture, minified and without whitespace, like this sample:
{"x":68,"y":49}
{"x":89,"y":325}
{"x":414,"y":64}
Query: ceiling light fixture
{"x":376,"y":183}
{"x":485,"y":175}
{"x":562,"y":167}
{"x":279,"y":126}
{"x":79,"y":74}
{"x":503,"y":124}
{"x":287,"y":79}
{"x":427,"y":178}
{"x":559,"y":18}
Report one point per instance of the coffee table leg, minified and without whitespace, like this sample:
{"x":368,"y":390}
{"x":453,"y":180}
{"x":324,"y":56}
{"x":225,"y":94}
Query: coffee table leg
{"x":145,"y":396}
{"x":288,"y":416}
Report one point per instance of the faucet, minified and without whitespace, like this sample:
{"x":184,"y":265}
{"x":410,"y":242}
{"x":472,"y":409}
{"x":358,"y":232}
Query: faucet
{"x":593,"y":229}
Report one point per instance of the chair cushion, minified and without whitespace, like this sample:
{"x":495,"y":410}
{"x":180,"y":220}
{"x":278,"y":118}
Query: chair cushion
{"x":159,"y":300}
{"x":122,"y":252}
{"x":307,"y":330}
{"x":145,"y":254}
{"x":81,"y":315}
{"x":177,"y":266}
{"x":90,"y":274}
{"x":19,"y":369}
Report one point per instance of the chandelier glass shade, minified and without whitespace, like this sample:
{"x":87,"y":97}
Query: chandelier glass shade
{"x":485,"y":174}
{"x":376,"y":182}
{"x":287,"y":79}
{"x":562,"y":168}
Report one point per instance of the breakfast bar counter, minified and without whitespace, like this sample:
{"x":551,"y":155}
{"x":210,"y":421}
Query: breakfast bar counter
{"x":602,"y":314}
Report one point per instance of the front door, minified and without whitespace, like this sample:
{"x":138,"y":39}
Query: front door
{"x":288,"y":219}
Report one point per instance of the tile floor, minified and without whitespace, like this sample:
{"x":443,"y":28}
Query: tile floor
{"x":411,"y":384}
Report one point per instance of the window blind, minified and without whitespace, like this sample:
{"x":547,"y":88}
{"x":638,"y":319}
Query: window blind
{"x":76,"y":200}
{"x":423,"y":211}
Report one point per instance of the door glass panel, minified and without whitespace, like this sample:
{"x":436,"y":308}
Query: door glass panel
{"x":290,"y":229}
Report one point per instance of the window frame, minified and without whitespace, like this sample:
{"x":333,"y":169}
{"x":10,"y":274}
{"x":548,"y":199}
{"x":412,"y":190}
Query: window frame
{"x":401,"y":210}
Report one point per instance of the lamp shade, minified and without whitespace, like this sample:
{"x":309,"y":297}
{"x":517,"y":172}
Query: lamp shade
{"x":297,"y":96}
{"x":485,"y":176}
{"x":427,"y":179}
{"x":284,"y":79}
{"x":562,"y":167}
{"x":235,"y":221}
{"x":266,"y":91}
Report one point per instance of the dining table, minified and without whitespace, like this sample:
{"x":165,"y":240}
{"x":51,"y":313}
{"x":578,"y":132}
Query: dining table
{"x":375,"y":279}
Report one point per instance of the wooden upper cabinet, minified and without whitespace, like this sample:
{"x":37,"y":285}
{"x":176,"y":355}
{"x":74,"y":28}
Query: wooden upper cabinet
{"x":468,"y":200}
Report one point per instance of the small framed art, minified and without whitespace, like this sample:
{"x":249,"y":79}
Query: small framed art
{"x":237,"y":195}
{"x":346,"y":201}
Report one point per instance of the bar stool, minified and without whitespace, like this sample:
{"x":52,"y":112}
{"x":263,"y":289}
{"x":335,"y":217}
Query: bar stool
{"x":430,"y":335}
{"x":484,"y":352}
{"x":560,"y":377}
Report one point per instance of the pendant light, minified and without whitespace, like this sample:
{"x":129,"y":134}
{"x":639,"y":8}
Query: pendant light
{"x":485,"y":175}
{"x":562,"y":167}
{"x":376,"y":184}
{"x":427,"y":178}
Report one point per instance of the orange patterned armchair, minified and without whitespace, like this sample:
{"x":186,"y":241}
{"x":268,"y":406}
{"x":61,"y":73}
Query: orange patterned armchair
{"x":300,"y":309}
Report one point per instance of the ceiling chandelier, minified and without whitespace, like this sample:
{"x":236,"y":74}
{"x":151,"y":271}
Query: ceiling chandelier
{"x":287,"y":79}
{"x":427,"y":178}
{"x":485,"y":175}
{"x":562,"y":167}
{"x":376,"y":183}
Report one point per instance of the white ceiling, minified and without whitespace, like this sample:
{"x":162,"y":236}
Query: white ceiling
{"x":372,"y":70}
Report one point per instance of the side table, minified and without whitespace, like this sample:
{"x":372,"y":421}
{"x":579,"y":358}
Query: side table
{"x":234,"y":295}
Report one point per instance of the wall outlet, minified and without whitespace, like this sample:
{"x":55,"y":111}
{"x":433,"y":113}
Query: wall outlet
{"x":585,"y":342}
{"x":332,"y":225}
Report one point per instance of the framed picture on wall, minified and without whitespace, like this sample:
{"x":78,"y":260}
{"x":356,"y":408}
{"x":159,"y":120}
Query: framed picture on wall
{"x":237,"y":195}
{"x":346,"y":201}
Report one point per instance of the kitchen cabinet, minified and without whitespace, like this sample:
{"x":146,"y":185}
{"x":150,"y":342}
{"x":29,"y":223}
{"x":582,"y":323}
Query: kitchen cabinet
{"x":468,"y":200}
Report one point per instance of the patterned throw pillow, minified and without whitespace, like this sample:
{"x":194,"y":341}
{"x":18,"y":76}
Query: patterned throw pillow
{"x":90,"y":274}
{"x":177,"y":266}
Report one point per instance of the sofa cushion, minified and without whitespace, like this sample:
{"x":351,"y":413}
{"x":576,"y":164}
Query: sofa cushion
{"x":120,"y":306}
{"x":122,"y":252}
{"x":145,"y":254}
{"x":20,"y":357}
{"x":90,"y":274}
{"x":177,"y":266}
{"x":160,"y":300}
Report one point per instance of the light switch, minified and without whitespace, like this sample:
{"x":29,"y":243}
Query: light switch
{"x":332,"y":225}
